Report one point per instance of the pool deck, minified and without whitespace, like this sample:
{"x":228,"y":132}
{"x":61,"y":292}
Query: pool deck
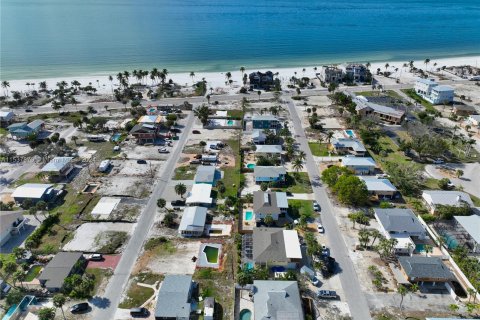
{"x":248,"y":224}
{"x":246,"y":302}
{"x":202,"y":261}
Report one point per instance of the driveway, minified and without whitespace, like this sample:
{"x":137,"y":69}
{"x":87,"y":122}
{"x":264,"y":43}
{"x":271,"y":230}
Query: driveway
{"x":470,"y":181}
{"x":109,"y":261}
{"x":354,"y":295}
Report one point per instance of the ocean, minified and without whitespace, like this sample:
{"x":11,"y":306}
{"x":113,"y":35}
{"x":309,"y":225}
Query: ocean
{"x":51,"y":38}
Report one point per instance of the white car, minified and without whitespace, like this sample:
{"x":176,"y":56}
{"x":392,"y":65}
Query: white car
{"x":320,"y":228}
{"x":163,"y":150}
{"x":382,"y":175}
{"x":95,"y":257}
{"x":316,"y":206}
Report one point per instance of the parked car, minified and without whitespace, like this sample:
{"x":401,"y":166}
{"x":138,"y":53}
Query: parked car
{"x":438,"y":161}
{"x":382,"y":175}
{"x":178,"y":203}
{"x":316,"y":206}
{"x":327,"y":294}
{"x":198,"y":156}
{"x":79,"y":307}
{"x":141,"y":161}
{"x":325,"y":252}
{"x":450,"y":184}
{"x":116,"y":148}
{"x":196,"y":132}
{"x":95,"y":257}
{"x":163,"y":150}
{"x":139,"y":312}
{"x":195,"y":162}
{"x":320,"y":228}
{"x":314,"y":281}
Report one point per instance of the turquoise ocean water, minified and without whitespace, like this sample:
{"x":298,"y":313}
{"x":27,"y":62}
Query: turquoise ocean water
{"x":48,"y":38}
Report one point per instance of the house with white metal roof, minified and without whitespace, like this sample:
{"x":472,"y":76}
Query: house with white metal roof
{"x":6,"y":118}
{"x":359,"y":165}
{"x":34,"y":192}
{"x":58,"y":168}
{"x":434,"y":198}
{"x":471,"y":225}
{"x":381,"y":188}
{"x":258,"y":136}
{"x":269,"y":151}
{"x":200,"y":195}
{"x":193,"y":222}
{"x":349,"y":146}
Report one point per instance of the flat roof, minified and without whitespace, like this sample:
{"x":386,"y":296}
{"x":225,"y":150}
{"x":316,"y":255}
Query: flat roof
{"x":150,"y":119}
{"x":292,"y":244}
{"x":105,"y":206}
{"x":200,"y":194}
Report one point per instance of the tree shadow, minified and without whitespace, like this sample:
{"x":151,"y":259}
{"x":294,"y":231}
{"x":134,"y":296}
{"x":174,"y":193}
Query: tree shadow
{"x":100,"y":302}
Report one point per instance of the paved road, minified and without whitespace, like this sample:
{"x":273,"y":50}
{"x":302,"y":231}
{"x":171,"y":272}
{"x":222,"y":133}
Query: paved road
{"x":106,"y":306}
{"x":354,"y":295}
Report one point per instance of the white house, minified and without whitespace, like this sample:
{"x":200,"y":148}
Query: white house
{"x":474,"y":120}
{"x":200,"y":195}
{"x":434,"y":198}
{"x":34,"y":192}
{"x":434,"y":93}
{"x":11,"y":222}
{"x":193,"y":222}
{"x":359,"y":165}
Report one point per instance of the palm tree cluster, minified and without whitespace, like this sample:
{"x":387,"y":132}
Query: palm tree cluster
{"x":202,"y":113}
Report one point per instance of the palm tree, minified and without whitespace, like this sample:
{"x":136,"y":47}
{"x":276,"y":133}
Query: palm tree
{"x":427,"y":61}
{"x":228,"y":75}
{"x":302,"y":155}
{"x":180,"y":189}
{"x":386,"y":66}
{"x":259,"y":93}
{"x":18,"y":276}
{"x":5,"y":85}
{"x":74,"y":139}
{"x":402,"y":290}
{"x":242,"y":70}
{"x":297,"y":165}
{"x":43,"y":85}
{"x":329,"y":136}
{"x":368,"y":65}
{"x":58,"y":301}
{"x":375,"y":234}
{"x":428,"y":249}
{"x":192,"y":75}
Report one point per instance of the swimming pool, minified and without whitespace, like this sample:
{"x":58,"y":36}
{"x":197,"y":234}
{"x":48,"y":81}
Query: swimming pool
{"x":248,"y":215}
{"x":245,"y":314}
{"x":350,"y":133}
{"x":251,"y":166}
{"x":211,"y":253}
{"x":10,"y":312}
{"x":116,"y":137}
{"x":450,"y":241}
{"x":230,"y":122}
{"x":248,"y":266}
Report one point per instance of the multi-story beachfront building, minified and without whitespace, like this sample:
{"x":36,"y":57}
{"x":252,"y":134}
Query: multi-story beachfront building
{"x":434,"y":93}
{"x":331,"y":74}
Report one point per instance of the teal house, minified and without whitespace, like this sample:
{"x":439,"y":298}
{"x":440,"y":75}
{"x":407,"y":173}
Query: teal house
{"x":22,"y":130}
{"x":265,"y":122}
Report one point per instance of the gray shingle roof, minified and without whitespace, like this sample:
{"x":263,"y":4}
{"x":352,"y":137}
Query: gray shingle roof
{"x":277,"y":300}
{"x":419,"y":267}
{"x":399,"y":220}
{"x":355,"y":144}
{"x":268,"y":245}
{"x":269,"y":171}
{"x":269,"y":202}
{"x":59,"y":268}
{"x":173,"y":300}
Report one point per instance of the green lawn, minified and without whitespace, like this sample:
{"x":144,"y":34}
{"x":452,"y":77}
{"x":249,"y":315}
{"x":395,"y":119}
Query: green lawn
{"x":232,"y":176}
{"x":296,"y":183}
{"x":185,"y":173}
{"x":319,"y":149}
{"x":100,"y":275}
{"x":30,"y":177}
{"x":297,"y":208}
{"x":391,"y":150}
{"x":32,"y":273}
{"x":238,"y":114}
{"x":412,"y":94}
{"x":3,"y":131}
{"x":137,"y":295}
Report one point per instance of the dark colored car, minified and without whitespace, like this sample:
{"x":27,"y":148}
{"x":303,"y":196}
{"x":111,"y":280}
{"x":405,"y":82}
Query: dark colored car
{"x":141,"y":162}
{"x":178,"y":203}
{"x":198,"y":156}
{"x":195,"y":162}
{"x":79,"y":307}
{"x":139,"y":312}
{"x":196,"y":132}
{"x":327,"y":294}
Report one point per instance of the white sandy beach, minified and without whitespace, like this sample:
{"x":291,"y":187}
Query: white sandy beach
{"x":218,"y":79}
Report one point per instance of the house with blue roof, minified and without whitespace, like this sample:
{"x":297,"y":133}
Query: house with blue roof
{"x":23,"y":130}
{"x":174,"y":299}
{"x":265,"y":122}
{"x":269,"y":174}
{"x":206,"y":174}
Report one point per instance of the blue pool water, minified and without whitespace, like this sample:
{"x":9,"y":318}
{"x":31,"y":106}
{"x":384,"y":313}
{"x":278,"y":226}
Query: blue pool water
{"x":245,"y":314}
{"x":420,"y":248}
{"x":350,"y":133}
{"x":77,"y":37}
{"x":450,"y":241}
{"x":251,"y":166}
{"x":10,"y":312}
{"x":248,"y":215}
{"x":249,"y":266}
{"x":116,"y":137}
{"x":230,"y":122}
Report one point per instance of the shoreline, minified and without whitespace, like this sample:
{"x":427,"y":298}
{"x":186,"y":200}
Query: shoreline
{"x":218,"y":79}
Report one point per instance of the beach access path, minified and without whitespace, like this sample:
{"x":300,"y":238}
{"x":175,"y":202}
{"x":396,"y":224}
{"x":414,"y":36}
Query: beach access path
{"x":354,"y":295}
{"x":105,"y":307}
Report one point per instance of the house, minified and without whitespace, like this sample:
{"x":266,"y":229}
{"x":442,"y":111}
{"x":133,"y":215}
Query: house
{"x":174,"y":299}
{"x":6,"y":118}
{"x":265,"y":122}
{"x":474,"y":120}
{"x":359,"y":165}
{"x":365,"y":108}
{"x":420,"y":269}
{"x":145,"y":133}
{"x":193,"y":222}
{"x":258,"y":136}
{"x":154,"y":120}
{"x":271,"y":204}
{"x":349,"y":146}
{"x":59,"y":268}
{"x":260,"y":80}
{"x":357,"y":73}
{"x":11,"y":222}
{"x":463,"y":110}
{"x":400,"y":224}
{"x":200,"y":195}
{"x":23,"y":130}
{"x":434,"y":93}
{"x":276,"y":247}
{"x":34,"y":192}
{"x":277,"y":300}
{"x":269,"y":174}
{"x":471,"y":225}
{"x":380,"y":188}
{"x":269,"y":151}
{"x":205,"y":174}
{"x":434,"y":198}
{"x":58,"y":168}
{"x":208,"y":308}
{"x":331,"y":74}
